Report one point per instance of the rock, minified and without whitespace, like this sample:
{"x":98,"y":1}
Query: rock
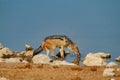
{"x":58,"y":62}
{"x":28,"y":47}
{"x":6,"y":53}
{"x":118,"y":69}
{"x":28,"y":56}
{"x":44,"y":59}
{"x":41,"y":58}
{"x":1,"y":46}
{"x":112,"y":79}
{"x":3,"y":78}
{"x":21,"y":54}
{"x":10,"y":60}
{"x":28,"y":53}
{"x":2,"y":60}
{"x":102,"y":54}
{"x":111,"y":64}
{"x":109,"y":72}
{"x":13,"y":60}
{"x":25,"y":55}
{"x":24,"y":61}
{"x":93,"y":60}
{"x":118,"y":59}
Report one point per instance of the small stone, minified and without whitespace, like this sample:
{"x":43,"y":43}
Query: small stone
{"x":109,"y":72}
{"x":41,"y":58}
{"x":112,"y":79}
{"x":111,"y":64}
{"x":28,"y":47}
{"x":6,"y":53}
{"x":118,"y":69}
{"x":3,"y":78}
{"x":12,"y":60}
{"x":103,"y":55}
{"x":118,"y":59}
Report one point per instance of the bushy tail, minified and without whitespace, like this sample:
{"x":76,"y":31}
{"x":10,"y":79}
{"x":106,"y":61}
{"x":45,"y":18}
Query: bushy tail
{"x":38,"y":50}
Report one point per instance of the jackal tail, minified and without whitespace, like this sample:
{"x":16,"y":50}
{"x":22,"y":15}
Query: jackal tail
{"x":37,"y":51}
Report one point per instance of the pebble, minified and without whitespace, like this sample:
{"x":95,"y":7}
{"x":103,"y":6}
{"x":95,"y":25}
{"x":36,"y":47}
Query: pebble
{"x":111,"y":64}
{"x":109,"y":72}
{"x":112,"y":79}
{"x":2,"y":78}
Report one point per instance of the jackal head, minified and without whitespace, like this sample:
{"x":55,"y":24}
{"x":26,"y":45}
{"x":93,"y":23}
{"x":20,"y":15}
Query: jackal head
{"x":73,"y":47}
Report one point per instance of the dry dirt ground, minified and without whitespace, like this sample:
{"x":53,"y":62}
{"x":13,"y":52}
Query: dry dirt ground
{"x":29,"y":71}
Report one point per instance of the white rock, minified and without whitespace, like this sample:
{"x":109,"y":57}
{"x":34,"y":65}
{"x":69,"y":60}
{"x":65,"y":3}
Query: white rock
{"x":28,"y":47}
{"x":94,"y":55}
{"x":3,"y":78}
{"x":13,"y":60}
{"x":61,"y":63}
{"x":109,"y":72}
{"x":21,"y":54}
{"x":28,"y":53}
{"x":111,"y":64}
{"x":102,"y":54}
{"x":118,"y":69}
{"x":25,"y":54}
{"x":118,"y":59}
{"x":2,"y":60}
{"x":41,"y":58}
{"x":44,"y":59}
{"x":24,"y":61}
{"x":9,"y":60}
{"x":112,"y":79}
{"x":93,"y":60}
{"x":6,"y":52}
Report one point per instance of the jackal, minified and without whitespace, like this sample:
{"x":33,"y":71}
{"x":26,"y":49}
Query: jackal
{"x":57,"y":41}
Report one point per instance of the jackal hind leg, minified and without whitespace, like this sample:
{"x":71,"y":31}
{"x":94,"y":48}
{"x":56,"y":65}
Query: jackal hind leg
{"x":52,"y":54}
{"x":62,"y":53}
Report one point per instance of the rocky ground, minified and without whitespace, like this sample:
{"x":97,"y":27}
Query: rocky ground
{"x":22,"y":66}
{"x":29,"y":71}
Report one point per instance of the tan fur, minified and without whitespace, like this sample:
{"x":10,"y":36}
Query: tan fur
{"x":53,"y":42}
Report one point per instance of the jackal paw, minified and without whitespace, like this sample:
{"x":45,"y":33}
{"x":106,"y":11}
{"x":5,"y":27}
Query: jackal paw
{"x":62,"y":58}
{"x":55,"y":57}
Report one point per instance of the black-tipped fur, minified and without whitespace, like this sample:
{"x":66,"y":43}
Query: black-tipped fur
{"x":37,"y":51}
{"x":61,"y":37}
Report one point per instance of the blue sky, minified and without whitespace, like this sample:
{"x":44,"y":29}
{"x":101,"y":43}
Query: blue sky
{"x":93,"y":24}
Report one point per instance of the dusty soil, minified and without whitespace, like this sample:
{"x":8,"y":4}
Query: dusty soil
{"x":29,"y":71}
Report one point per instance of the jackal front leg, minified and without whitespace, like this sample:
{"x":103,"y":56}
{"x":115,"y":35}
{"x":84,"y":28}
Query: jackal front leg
{"x":47,"y":51}
{"x":62,"y":52}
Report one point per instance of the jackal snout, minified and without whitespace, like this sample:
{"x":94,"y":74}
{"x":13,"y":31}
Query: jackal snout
{"x":74,"y":48}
